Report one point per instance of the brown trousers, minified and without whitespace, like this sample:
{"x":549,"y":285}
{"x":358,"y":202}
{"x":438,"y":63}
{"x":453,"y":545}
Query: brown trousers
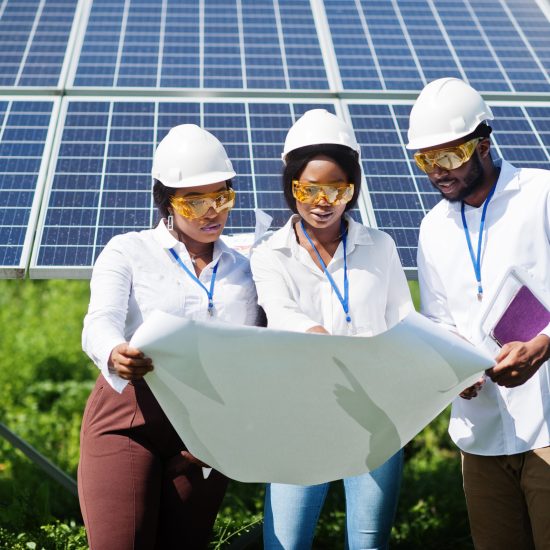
{"x":138,"y":486}
{"x":508,"y":499}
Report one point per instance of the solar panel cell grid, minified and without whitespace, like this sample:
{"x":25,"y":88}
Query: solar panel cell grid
{"x":267,"y":44}
{"x":33,"y":41}
{"x":401,"y":194}
{"x":101,"y":185}
{"x":23,"y":132}
{"x":497,"y":46}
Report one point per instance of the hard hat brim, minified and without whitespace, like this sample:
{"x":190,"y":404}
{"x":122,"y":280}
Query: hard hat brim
{"x":197,"y":181}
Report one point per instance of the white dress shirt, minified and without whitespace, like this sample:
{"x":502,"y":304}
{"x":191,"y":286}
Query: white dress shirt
{"x":136,"y":274}
{"x":296,"y":295}
{"x":499,"y":421}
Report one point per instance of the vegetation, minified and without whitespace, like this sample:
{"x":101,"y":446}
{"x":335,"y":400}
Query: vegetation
{"x":44,"y":383}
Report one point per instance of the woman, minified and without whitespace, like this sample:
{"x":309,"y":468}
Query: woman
{"x":138,"y":485}
{"x":325,"y":273}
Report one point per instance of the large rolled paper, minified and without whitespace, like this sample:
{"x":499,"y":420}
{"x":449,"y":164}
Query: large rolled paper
{"x":263,"y":405}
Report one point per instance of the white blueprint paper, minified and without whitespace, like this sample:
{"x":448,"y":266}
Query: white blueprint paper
{"x":263,"y":405}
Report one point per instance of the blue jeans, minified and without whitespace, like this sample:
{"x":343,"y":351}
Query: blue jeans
{"x":291,"y":511}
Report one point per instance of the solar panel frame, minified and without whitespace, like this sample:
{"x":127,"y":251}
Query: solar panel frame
{"x":515,"y":102}
{"x":521,"y":136}
{"x":18,"y":269}
{"x":253,"y":169}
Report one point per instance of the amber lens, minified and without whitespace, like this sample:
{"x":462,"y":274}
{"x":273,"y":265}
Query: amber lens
{"x":197,"y":206}
{"x":313,"y":193}
{"x":449,"y":158}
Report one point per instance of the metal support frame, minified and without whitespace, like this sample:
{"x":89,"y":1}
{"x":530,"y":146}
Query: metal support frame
{"x":40,"y":460}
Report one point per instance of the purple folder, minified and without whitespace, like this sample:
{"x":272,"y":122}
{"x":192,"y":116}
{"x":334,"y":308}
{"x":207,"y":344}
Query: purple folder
{"x":523,"y":319}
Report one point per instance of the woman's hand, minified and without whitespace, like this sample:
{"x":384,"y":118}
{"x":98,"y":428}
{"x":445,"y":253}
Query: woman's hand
{"x":129,"y":363}
{"x":318,"y":329}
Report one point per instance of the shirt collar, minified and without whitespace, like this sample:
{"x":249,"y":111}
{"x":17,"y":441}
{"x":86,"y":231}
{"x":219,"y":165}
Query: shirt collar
{"x":163,"y":236}
{"x":285,"y":237}
{"x":167,"y":241}
{"x":508,"y":181}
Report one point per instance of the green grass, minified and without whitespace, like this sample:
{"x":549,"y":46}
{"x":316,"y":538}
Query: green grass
{"x":44,"y":383}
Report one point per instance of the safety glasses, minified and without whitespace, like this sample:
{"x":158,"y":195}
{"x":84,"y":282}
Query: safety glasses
{"x":449,"y":158}
{"x":313,"y":193}
{"x":196,"y":206}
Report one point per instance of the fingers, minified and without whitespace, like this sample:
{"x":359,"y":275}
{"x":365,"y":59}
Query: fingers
{"x":318,"y":329}
{"x":130,"y":363}
{"x":127,"y":351}
{"x":516,"y":363}
{"x":131,"y":372}
{"x":468,"y":393}
{"x":473,"y":390}
{"x":504,"y":352}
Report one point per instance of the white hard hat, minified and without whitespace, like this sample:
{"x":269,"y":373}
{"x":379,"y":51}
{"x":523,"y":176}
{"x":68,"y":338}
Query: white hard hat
{"x":189,"y":156}
{"x":446,"y":109}
{"x":318,"y":126}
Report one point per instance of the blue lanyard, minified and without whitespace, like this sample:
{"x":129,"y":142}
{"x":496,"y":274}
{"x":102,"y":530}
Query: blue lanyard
{"x":343,"y":300}
{"x":209,"y":293}
{"x":476,"y":261}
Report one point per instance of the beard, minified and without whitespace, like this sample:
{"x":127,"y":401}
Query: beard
{"x":473,"y":180}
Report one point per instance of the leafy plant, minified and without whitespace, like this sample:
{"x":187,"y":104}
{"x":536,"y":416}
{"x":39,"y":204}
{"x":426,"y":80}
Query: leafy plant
{"x":45,"y":379}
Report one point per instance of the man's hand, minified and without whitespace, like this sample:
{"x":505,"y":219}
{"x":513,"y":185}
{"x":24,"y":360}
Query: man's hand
{"x":129,"y":363}
{"x":518,"y":361}
{"x":473,"y":390}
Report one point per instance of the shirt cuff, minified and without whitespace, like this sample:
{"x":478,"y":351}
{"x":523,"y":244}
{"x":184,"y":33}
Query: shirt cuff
{"x":114,"y":380}
{"x":101,"y":359}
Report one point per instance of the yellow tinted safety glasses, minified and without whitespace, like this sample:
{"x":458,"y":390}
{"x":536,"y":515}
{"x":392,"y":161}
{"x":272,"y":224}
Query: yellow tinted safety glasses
{"x":449,"y":158}
{"x":313,"y":193}
{"x":196,"y":206}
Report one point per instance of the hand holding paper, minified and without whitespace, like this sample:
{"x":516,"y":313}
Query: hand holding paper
{"x":129,"y":363}
{"x":472,"y":391}
{"x":518,"y":361}
{"x":264,"y":405}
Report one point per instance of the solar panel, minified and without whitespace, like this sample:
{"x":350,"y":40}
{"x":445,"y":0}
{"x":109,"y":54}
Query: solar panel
{"x":100,"y":184}
{"x":235,"y":44}
{"x":400,"y":194}
{"x":24,"y":141}
{"x":245,"y":69}
{"x":497,"y":46}
{"x":33,"y":40}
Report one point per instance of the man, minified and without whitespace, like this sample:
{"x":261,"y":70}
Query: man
{"x":493,"y":217}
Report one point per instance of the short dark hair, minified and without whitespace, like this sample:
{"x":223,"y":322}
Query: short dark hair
{"x":162,"y":195}
{"x":297,"y":160}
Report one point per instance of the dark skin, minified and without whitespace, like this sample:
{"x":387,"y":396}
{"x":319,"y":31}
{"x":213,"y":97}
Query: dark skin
{"x":199,"y":236}
{"x":472,"y":182}
{"x":322,"y":221}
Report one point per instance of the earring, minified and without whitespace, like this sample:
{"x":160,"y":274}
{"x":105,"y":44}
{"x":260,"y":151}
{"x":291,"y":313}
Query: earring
{"x":170,"y":222}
